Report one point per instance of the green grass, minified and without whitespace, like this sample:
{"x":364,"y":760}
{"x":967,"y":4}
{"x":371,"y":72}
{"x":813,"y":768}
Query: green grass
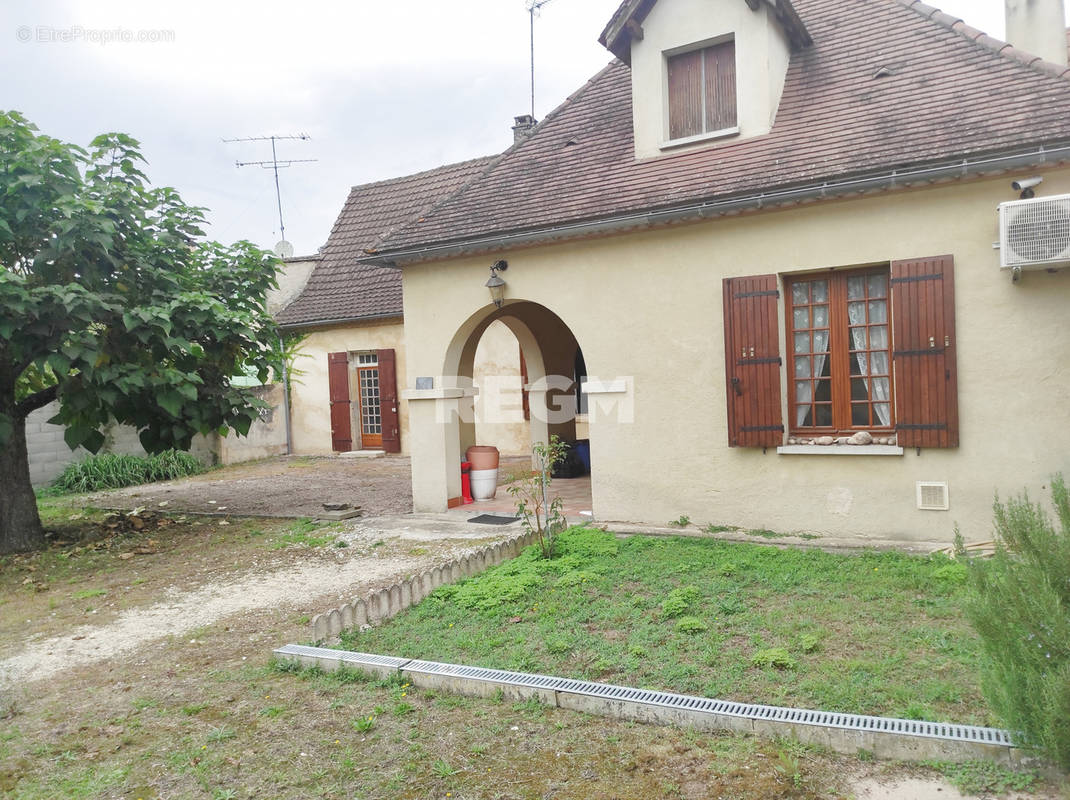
{"x":875,"y":633}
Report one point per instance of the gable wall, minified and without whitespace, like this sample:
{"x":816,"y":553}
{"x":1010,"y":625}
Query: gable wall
{"x":648,"y":306}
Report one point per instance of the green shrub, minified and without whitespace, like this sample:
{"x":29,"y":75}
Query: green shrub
{"x":690,"y":625}
{"x":113,"y":471}
{"x":1019,"y":604}
{"x":679,"y":601}
{"x":776,"y":657}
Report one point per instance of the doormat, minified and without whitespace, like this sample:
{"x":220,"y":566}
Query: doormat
{"x":493,"y":519}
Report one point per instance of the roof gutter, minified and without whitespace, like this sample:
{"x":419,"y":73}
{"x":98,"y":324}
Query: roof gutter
{"x":712,"y":208}
{"x":318,"y":322}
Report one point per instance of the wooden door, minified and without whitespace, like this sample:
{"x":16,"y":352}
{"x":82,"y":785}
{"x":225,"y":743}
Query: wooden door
{"x":338,"y":385}
{"x":371,"y":410}
{"x":388,"y":401}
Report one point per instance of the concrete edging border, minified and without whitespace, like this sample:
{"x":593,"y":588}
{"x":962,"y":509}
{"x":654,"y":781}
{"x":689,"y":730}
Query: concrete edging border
{"x":379,"y":606}
{"x":883,"y":737}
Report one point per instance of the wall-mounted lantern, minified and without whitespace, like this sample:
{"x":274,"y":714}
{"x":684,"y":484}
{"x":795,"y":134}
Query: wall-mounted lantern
{"x":496,"y":286}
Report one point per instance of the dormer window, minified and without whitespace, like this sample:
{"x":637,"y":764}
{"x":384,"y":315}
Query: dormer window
{"x":702,"y":91}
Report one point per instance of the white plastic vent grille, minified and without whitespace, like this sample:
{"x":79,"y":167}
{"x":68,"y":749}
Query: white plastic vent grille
{"x":933,"y":496}
{"x":1035,"y":232}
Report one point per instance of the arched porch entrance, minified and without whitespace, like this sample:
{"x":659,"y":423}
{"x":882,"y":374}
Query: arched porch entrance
{"x":443,"y":418}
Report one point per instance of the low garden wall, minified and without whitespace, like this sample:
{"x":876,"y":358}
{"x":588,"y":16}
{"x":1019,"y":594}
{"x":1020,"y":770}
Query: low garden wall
{"x":379,"y":606}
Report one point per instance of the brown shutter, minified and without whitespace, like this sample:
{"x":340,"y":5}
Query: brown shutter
{"x":720,"y":86}
{"x":685,"y":94}
{"x":752,"y":361}
{"x":338,"y":383}
{"x":923,"y":354}
{"x":388,"y":401}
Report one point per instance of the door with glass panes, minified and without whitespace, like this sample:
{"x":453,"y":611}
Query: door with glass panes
{"x":371,"y":413}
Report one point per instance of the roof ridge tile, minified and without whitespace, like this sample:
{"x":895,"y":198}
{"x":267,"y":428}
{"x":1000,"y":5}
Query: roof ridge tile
{"x":998,"y":46}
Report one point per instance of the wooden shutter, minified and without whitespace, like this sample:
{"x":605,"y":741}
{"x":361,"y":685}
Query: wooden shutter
{"x":752,"y":361}
{"x":720,"y":79}
{"x":338,"y":384}
{"x":923,"y":354}
{"x":388,"y":401}
{"x":685,"y":94}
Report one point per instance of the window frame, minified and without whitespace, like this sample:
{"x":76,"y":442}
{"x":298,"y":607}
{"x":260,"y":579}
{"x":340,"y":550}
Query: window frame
{"x":699,"y":47}
{"x":839,"y":353}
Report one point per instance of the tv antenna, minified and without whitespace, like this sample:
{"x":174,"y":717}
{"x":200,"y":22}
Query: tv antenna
{"x":275,"y":164}
{"x":533,"y":10}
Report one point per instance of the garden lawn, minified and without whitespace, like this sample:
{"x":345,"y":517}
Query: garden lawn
{"x":871,"y":633}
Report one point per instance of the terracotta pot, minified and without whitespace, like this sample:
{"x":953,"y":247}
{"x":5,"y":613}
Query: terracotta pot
{"x":482,"y":457}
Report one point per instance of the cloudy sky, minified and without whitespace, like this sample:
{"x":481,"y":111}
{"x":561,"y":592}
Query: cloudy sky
{"x":382,"y":88}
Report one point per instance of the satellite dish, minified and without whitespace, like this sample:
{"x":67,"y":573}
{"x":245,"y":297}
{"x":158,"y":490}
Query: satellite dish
{"x":284,"y":249}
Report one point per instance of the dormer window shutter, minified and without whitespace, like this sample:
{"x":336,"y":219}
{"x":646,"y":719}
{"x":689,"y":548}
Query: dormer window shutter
{"x":702,"y":91}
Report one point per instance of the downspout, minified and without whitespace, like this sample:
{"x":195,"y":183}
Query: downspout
{"x":286,"y":398}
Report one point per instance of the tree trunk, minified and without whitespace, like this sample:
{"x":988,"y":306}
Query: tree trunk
{"x":20,"y":525}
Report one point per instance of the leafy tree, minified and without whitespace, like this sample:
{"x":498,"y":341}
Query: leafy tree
{"x":112,"y":302}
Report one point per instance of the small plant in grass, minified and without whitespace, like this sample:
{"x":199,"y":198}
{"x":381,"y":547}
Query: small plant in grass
{"x":679,"y":601}
{"x":776,"y":657}
{"x":443,"y":769}
{"x":712,"y":528}
{"x":984,"y":777}
{"x":1019,"y":604}
{"x":690,"y":625}
{"x":681,"y":521}
{"x":730,"y":604}
{"x":364,"y":724}
{"x":541,"y":515}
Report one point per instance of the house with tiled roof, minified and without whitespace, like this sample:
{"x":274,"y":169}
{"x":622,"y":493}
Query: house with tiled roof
{"x":350,"y":318}
{"x":813,"y":252}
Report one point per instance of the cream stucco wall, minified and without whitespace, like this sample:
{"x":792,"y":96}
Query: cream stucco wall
{"x":648,"y":306}
{"x":762,"y":55}
{"x":499,"y":411}
{"x":311,"y":410}
{"x":499,"y":418}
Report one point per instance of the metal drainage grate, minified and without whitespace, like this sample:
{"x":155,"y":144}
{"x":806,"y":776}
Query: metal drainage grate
{"x":828,"y":719}
{"x":347,"y":657}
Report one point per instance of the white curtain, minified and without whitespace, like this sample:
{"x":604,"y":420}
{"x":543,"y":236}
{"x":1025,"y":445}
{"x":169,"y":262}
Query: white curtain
{"x":878,"y":316}
{"x":805,"y":389}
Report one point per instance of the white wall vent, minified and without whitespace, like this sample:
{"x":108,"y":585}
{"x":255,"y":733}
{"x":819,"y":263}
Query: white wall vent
{"x":933,"y":495}
{"x":1035,"y":233}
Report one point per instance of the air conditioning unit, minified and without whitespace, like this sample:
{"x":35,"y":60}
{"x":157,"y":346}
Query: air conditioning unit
{"x":1035,"y":233}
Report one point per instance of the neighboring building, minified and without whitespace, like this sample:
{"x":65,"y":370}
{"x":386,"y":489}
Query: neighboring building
{"x":770,"y":227}
{"x":344,"y":397}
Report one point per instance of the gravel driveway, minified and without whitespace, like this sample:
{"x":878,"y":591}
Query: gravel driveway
{"x":287,"y":486}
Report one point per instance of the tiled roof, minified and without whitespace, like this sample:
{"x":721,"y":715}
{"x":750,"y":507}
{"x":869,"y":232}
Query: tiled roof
{"x":948,"y":92}
{"x":339,"y":288}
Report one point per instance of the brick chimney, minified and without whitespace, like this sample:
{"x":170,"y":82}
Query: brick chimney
{"x":1038,"y":27}
{"x":524,"y":127}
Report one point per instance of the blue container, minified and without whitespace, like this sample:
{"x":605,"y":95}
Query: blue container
{"x":583,"y":453}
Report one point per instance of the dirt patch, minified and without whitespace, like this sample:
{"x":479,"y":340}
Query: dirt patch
{"x":374,"y":555}
{"x":288,"y":486}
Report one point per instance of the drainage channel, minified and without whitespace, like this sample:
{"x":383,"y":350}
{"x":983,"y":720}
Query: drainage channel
{"x":884,"y":737}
